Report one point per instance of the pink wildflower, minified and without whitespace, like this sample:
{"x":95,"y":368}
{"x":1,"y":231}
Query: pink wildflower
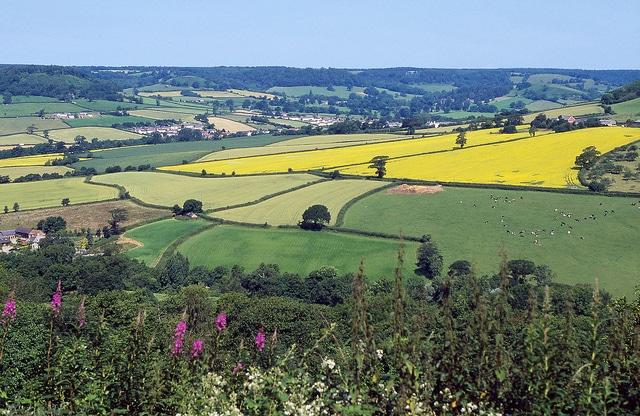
{"x":238,"y":368}
{"x":197,"y":348}
{"x":82,"y":314}
{"x":56,"y":300}
{"x":9,"y":311}
{"x":178,"y":337}
{"x":260,"y":340}
{"x":221,"y":322}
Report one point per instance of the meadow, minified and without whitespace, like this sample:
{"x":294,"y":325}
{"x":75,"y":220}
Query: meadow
{"x":11,"y":125}
{"x":156,"y":237}
{"x":90,"y":133}
{"x":295,"y":251}
{"x":627,"y":110}
{"x":229,"y":125}
{"x":288,"y":208}
{"x":298,"y":91}
{"x":164,"y":115}
{"x":105,"y":105}
{"x":37,"y":160}
{"x":576,"y":110}
{"x":49,"y":193}
{"x":21,"y":139}
{"x":581,"y":237}
{"x":167,"y":189}
{"x":544,"y":161}
{"x":17,"y":171}
{"x":169,"y":153}
{"x":106,"y":121}
{"x":30,"y":109}
{"x":337,"y":158}
{"x":92,"y":216}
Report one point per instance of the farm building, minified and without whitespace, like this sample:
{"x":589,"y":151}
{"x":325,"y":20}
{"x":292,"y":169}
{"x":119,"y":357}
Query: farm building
{"x":9,"y":239}
{"x":607,"y":123}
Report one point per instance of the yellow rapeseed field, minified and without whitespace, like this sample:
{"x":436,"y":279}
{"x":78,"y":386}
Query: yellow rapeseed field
{"x":341,"y":157}
{"x":38,"y":160}
{"x":546,"y":161}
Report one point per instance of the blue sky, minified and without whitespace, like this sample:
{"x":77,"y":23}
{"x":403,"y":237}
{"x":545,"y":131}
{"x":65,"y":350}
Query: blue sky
{"x":346,"y":33}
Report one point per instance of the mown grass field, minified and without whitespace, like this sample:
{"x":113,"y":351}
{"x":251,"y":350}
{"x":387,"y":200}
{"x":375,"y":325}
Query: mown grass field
{"x":106,"y":121}
{"x":37,"y":160}
{"x":298,"y":91}
{"x":14,"y":172}
{"x":470,"y":224}
{"x":20,"y":139}
{"x":106,"y":105}
{"x":30,"y":109}
{"x":163,"y":115}
{"x":92,"y":216}
{"x":11,"y":125}
{"x":169,"y":153}
{"x":340,"y":157}
{"x":167,"y":190}
{"x":90,"y":133}
{"x":545,"y":161}
{"x":627,"y":110}
{"x":288,"y":208}
{"x":157,"y":236}
{"x":44,"y":194}
{"x":295,"y":251}
{"x":576,"y":110}
{"x":229,"y":125}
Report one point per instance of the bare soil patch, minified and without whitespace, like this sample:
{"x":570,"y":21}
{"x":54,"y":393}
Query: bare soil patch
{"x":406,"y":189}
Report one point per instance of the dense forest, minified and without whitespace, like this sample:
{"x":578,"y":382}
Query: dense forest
{"x":105,"y":335}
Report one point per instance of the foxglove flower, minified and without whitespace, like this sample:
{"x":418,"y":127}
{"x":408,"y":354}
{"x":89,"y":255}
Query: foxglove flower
{"x":260,"y":340}
{"x":9,"y":311}
{"x":178,"y":337}
{"x":238,"y":368}
{"x":56,"y":300}
{"x":197,"y":348}
{"x":221,"y":322}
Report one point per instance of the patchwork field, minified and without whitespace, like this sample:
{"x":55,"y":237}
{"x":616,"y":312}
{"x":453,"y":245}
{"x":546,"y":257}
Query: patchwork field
{"x":341,"y":157}
{"x":106,"y":121}
{"x":14,"y":172}
{"x":288,"y":208}
{"x":156,"y":237}
{"x":21,"y":139}
{"x":546,"y":161}
{"x":581,"y":237}
{"x":169,"y":153}
{"x":38,"y":160}
{"x":19,"y":124}
{"x":163,"y":115}
{"x":105,"y":105}
{"x":167,"y":190}
{"x":578,"y":110}
{"x":92,"y":216}
{"x":295,"y":251}
{"x":101,"y":133}
{"x":30,"y":109}
{"x":44,"y":194}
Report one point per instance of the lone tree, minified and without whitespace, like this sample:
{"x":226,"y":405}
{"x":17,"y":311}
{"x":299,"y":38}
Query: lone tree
{"x":16,"y":207}
{"x":588,"y":157}
{"x":532,"y":131}
{"x":52,"y":224}
{"x":379,"y":163}
{"x":429,"y":260}
{"x":192,"y":206}
{"x":65,"y":202}
{"x":117,"y":216}
{"x":315,"y":217}
{"x":462,"y":138}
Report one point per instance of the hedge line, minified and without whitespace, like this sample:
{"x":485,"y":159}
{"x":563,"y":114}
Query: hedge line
{"x":169,"y":251}
{"x":349,"y":204}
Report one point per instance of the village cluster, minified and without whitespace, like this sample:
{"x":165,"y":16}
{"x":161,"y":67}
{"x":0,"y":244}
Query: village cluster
{"x":20,"y":237}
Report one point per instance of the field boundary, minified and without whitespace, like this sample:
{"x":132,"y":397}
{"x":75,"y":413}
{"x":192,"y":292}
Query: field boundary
{"x":352,"y":201}
{"x":171,"y":248}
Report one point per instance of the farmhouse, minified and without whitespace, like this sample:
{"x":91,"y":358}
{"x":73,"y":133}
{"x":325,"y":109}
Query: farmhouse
{"x":20,"y":236}
{"x":607,"y":123}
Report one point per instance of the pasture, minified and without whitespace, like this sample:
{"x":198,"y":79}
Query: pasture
{"x":164,"y":115}
{"x":12,"y":125}
{"x":627,"y":110}
{"x":169,"y":153}
{"x":167,"y":189}
{"x":544,"y":161}
{"x":21,"y":139}
{"x":37,"y":160}
{"x":90,"y":133}
{"x":298,"y":91}
{"x":44,"y":194}
{"x":91,"y":216}
{"x":105,"y":105}
{"x":17,"y":171}
{"x":229,"y":125}
{"x":156,"y":237}
{"x":295,"y":251}
{"x":288,"y":208}
{"x":581,"y":237}
{"x":576,"y":110}
{"x":338,"y":158}
{"x":30,"y":109}
{"x":106,"y":121}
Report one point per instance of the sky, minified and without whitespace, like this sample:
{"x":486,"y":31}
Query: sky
{"x":327,"y":33}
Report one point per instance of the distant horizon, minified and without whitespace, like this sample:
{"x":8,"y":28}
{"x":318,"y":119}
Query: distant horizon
{"x":368,"y":34}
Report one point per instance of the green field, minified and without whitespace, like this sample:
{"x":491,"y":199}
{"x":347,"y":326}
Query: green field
{"x":574,"y":110}
{"x":31,"y":99}
{"x":90,"y":133}
{"x":44,"y":194}
{"x":169,"y":153}
{"x":298,"y":91}
{"x":469,"y":224}
{"x":29,"y":109}
{"x":627,"y":110}
{"x":167,"y":189}
{"x":435,"y":87}
{"x":20,"y":124}
{"x":105,"y":105}
{"x":542,"y":105}
{"x":288,"y":208}
{"x":106,"y":121}
{"x":295,"y":251}
{"x":20,"y":139}
{"x":165,"y":115}
{"x":17,"y":171}
{"x":157,"y":236}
